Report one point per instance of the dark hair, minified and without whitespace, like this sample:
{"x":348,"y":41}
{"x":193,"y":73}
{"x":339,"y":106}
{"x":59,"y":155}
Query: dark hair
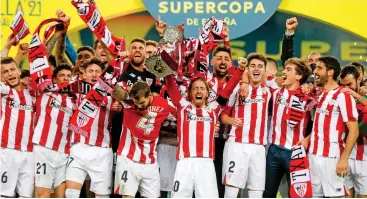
{"x":60,"y":67}
{"x":331,"y":63}
{"x":138,"y":40}
{"x":140,"y":89}
{"x":222,"y":49}
{"x":349,"y":70}
{"x":25,"y":73}
{"x":258,"y":56}
{"x":269,"y":59}
{"x":7,"y":60}
{"x":95,"y":44}
{"x":52,"y":60}
{"x":85,"y":48}
{"x":302,"y":68}
{"x":94,"y":60}
{"x":358,"y":65}
{"x":152,"y":43}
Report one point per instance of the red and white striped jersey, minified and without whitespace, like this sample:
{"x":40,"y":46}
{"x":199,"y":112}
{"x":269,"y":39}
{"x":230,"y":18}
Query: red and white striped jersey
{"x":359,"y":151}
{"x":195,"y":129}
{"x":17,"y":114}
{"x":214,"y":85}
{"x":329,"y":129}
{"x":140,"y":130}
{"x":254,"y":112}
{"x":289,"y":119}
{"x":53,"y":112}
{"x":100,"y":134}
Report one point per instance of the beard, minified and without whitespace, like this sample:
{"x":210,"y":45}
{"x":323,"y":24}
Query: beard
{"x":221,"y":73}
{"x":322,"y":81}
{"x":137,"y":63}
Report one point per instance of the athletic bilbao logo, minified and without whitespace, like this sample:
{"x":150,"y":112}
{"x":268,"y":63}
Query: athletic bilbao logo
{"x":82,"y":120}
{"x":300,"y":189}
{"x":149,"y":81}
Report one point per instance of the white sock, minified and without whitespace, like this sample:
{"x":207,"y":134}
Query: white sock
{"x":72,"y":193}
{"x":231,"y":192}
{"x":102,"y":196}
{"x":255,"y":194}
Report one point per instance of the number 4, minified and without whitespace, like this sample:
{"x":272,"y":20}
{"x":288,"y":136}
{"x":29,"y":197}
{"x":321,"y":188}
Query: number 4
{"x":124,"y":176}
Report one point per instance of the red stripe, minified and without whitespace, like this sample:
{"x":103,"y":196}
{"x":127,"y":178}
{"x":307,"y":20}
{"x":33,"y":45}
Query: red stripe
{"x":275,"y":116}
{"x":326,"y":124}
{"x":349,"y":105}
{"x":69,"y":133}
{"x":316,"y":132}
{"x":101,"y":126}
{"x":211,"y":136}
{"x":253,"y":120}
{"x":20,"y":122}
{"x":5,"y":130}
{"x":199,"y":134}
{"x":264,"y":118}
{"x":186,"y":132}
{"x":60,"y":124}
{"x":240,"y":114}
{"x":340,"y":135}
{"x":152,"y":146}
{"x":143,"y":157}
{"x":132,"y":148}
{"x":122,"y":140}
{"x":47,"y":122}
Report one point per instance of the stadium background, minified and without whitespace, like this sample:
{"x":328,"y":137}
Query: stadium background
{"x":335,"y":27}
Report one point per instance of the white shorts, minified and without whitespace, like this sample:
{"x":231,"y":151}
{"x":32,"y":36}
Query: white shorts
{"x":17,"y":173}
{"x":167,"y":164}
{"x":195,"y":174}
{"x":49,"y":167}
{"x":93,"y":161}
{"x":325,"y":182}
{"x":357,"y":177}
{"x":244,"y":166}
{"x":133,"y":176}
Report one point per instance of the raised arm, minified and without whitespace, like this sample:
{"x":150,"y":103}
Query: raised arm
{"x":9,"y":42}
{"x":61,"y":45}
{"x":287,"y":45}
{"x":173,"y":90}
{"x":22,"y":50}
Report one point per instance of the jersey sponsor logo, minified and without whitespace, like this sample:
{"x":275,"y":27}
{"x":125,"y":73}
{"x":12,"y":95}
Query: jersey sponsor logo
{"x":251,"y":101}
{"x":149,"y":81}
{"x":319,"y":110}
{"x":16,"y":105}
{"x":282,"y":101}
{"x":192,"y":117}
{"x":56,"y":104}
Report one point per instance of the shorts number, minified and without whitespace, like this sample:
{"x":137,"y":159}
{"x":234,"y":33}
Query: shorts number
{"x":176,"y":186}
{"x":4,"y":178}
{"x":69,"y":161}
{"x":231,"y":166}
{"x":39,"y":166}
{"x":124,"y":176}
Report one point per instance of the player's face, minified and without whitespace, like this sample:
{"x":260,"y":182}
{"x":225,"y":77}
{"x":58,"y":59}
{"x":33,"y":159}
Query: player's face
{"x":137,"y":53}
{"x":83,"y":56}
{"x":290,"y":76}
{"x":221,"y":63}
{"x":24,"y":81}
{"x":199,"y":93}
{"x":256,"y":71}
{"x":320,"y":72}
{"x":143,"y":102}
{"x":350,"y":81}
{"x":271,"y":69}
{"x":10,"y":74}
{"x":313,"y":58}
{"x":92,"y":73}
{"x":101,"y":53}
{"x":150,"y":50}
{"x":62,"y":76}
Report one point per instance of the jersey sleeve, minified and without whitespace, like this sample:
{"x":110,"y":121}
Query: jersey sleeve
{"x":348,"y":108}
{"x":231,"y":101}
{"x":4,"y":89}
{"x":174,"y":91}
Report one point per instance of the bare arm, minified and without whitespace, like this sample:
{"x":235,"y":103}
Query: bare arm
{"x":50,"y":44}
{"x":9,"y":42}
{"x":22,"y":50}
{"x":60,"y":50}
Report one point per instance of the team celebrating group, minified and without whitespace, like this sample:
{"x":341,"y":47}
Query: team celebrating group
{"x":201,"y":133}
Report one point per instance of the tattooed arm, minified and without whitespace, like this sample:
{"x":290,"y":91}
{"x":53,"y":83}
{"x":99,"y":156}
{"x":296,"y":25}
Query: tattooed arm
{"x":60,"y":50}
{"x":50,"y":44}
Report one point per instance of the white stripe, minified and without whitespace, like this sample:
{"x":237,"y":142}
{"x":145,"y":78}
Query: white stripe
{"x":192,"y":135}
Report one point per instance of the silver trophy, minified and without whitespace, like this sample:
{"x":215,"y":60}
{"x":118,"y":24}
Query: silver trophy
{"x":161,"y":64}
{"x":171,"y":34}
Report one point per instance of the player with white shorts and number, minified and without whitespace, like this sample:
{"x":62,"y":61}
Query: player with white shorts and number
{"x":16,"y":126}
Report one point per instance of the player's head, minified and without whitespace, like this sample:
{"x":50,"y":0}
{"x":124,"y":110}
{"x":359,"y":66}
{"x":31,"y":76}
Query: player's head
{"x":61,"y":74}
{"x":198,"y":92}
{"x":137,"y":52}
{"x":296,"y":71}
{"x":256,"y":68}
{"x":150,"y":48}
{"x":85,"y":53}
{"x":312,"y":58}
{"x":360,"y":68}
{"x":92,"y":70}
{"x":141,"y":95}
{"x":24,"y":78}
{"x":221,"y":60}
{"x":99,"y":51}
{"x":327,"y":69}
{"x":271,"y":67}
{"x":350,"y":77}
{"x":10,"y":73}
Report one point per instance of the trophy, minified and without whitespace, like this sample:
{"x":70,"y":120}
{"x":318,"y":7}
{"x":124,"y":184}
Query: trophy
{"x":119,"y":93}
{"x":161,"y":64}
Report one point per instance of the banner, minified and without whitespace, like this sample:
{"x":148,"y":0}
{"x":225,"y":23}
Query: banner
{"x":19,"y":27}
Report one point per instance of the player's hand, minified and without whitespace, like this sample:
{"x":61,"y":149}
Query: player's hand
{"x":242,"y":63}
{"x":350,"y":91}
{"x":304,"y":143}
{"x":66,"y":19}
{"x":10,"y":41}
{"x":279,"y":81}
{"x":306,"y":88}
{"x":244,"y":89}
{"x":342,"y":168}
{"x":216,"y":127}
{"x":291,"y":24}
{"x":226,"y":32}
{"x":363,"y":91}
{"x":235,"y":122}
{"x":124,"y":55}
{"x":23,"y":48}
{"x":116,"y":106}
{"x":160,"y":26}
